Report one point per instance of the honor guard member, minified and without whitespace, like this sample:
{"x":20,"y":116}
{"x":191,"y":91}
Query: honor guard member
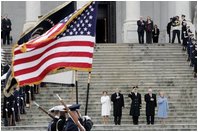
{"x":85,"y":120}
{"x":70,"y":125}
{"x":52,"y":125}
{"x":195,"y":57}
{"x":62,"y":118}
{"x":16,"y":104}
{"x":22,"y":100}
{"x":135,"y":104}
{"x":6,"y":111}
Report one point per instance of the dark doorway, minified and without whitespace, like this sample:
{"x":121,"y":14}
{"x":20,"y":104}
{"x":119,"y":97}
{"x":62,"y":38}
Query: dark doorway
{"x":101,"y":36}
{"x":106,"y":22}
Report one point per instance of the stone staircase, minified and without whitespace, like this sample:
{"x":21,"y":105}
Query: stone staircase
{"x":160,"y":66}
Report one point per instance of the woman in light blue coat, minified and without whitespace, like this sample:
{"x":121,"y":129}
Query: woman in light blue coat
{"x":162,"y":107}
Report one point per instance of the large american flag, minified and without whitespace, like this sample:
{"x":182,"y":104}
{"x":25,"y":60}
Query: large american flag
{"x":69,"y":44}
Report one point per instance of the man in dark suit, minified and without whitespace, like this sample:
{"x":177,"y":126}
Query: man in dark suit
{"x":6,"y":28}
{"x":140,"y":30}
{"x":151,"y":103}
{"x":135,"y":105}
{"x":169,"y":29}
{"x":118,"y":102}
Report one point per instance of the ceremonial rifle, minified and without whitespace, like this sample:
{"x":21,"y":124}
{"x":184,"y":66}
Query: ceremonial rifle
{"x":43,"y":110}
{"x":72,"y":115}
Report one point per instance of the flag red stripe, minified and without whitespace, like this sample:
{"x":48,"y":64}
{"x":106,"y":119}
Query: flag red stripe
{"x":48,"y":69}
{"x":63,"y":54}
{"x":70,"y":43}
{"x":33,"y":45}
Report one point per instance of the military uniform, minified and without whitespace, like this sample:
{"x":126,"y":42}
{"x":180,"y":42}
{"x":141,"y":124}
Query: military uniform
{"x":52,"y":124}
{"x":63,"y":124}
{"x":70,"y":125}
{"x":135,"y":106}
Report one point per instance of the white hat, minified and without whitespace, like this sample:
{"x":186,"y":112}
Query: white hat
{"x":58,"y":108}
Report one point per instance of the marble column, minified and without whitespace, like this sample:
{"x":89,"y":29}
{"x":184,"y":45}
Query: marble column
{"x":33,"y":10}
{"x":130,"y":24}
{"x":177,"y":8}
{"x":183,"y":7}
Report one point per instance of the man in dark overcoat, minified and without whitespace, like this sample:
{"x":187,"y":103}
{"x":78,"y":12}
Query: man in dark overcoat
{"x":118,"y":102}
{"x":151,"y":103}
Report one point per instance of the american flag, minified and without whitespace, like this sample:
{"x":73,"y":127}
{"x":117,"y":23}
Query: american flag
{"x":69,"y":44}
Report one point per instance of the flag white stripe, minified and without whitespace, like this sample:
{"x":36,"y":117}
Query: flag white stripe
{"x":63,"y":39}
{"x":50,"y":52}
{"x":55,"y":50}
{"x":51,"y":62}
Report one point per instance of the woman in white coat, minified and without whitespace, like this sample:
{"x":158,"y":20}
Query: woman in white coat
{"x":106,"y":107}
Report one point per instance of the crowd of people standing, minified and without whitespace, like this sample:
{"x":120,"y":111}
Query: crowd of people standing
{"x":189,"y":43}
{"x":152,"y":31}
{"x":175,"y":28}
{"x":15,"y":104}
{"x":136,"y":104}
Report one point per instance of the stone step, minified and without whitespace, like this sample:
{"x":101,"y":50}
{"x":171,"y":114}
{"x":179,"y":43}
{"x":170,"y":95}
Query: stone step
{"x":97,"y":114}
{"x":126,"y":55}
{"x":98,"y":118}
{"x":151,"y":62}
{"x":132,"y":59}
{"x":111,"y":122}
{"x":143,"y":127}
{"x":111,"y":127}
{"x":109,"y":86}
{"x":160,"y":66}
{"x":169,"y":93}
{"x":96,"y":96}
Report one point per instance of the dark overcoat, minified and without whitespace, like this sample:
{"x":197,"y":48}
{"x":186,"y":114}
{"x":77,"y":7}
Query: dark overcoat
{"x":118,"y":103}
{"x":150,"y":105}
{"x":135,"y":104}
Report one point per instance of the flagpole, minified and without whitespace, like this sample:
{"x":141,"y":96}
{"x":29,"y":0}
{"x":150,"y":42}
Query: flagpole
{"x":76,"y":77}
{"x":88,"y":85}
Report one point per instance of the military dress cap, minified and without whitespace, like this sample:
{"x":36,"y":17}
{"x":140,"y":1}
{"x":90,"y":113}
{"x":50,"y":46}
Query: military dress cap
{"x":74,"y":107}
